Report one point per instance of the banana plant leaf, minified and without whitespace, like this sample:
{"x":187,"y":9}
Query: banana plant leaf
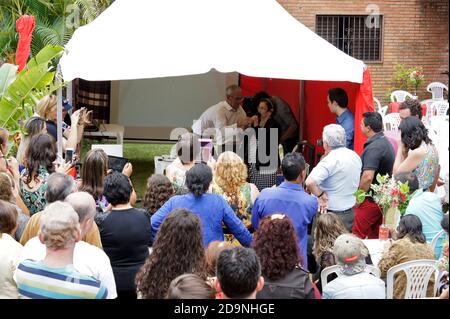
{"x":21,"y":95}
{"x":47,"y":54}
{"x":7,"y":76}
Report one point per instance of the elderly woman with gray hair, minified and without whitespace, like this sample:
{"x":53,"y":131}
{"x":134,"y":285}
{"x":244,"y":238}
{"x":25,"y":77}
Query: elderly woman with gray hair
{"x":335,"y":178}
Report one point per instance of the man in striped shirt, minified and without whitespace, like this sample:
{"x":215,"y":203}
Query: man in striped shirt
{"x":54,"y":277}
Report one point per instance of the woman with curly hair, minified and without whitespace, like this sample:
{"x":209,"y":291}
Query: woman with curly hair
{"x":275,"y":244}
{"x":230,"y":181}
{"x":416,"y":153}
{"x":178,"y":249}
{"x":159,"y":190}
{"x":328,"y":227}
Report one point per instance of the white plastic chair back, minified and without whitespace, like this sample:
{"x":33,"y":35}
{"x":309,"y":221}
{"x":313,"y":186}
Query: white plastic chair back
{"x":400,"y":96}
{"x":335,"y":269}
{"x":383,"y":110}
{"x":418,"y":274}
{"x":435,"y":240}
{"x":438,"y":108}
{"x":437,"y":90}
{"x":376,"y":104}
{"x":391,"y":121}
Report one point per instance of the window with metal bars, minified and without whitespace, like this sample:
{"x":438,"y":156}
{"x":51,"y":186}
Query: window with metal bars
{"x":360,"y":36}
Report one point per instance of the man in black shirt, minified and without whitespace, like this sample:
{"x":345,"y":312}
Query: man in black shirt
{"x":377,"y":158}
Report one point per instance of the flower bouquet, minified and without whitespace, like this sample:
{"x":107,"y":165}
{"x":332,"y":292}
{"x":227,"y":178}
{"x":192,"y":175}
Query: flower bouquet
{"x":416,"y":78}
{"x":392,"y":196}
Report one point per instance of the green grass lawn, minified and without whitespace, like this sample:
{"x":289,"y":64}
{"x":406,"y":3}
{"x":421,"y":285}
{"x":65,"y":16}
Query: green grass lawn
{"x":141,"y":157}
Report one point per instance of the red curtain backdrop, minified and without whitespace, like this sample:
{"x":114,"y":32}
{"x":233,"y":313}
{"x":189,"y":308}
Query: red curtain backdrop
{"x":24,"y":26}
{"x":317,"y":114}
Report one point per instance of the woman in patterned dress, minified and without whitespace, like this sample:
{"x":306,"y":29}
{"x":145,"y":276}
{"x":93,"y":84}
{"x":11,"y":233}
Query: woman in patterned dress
{"x":416,"y":153}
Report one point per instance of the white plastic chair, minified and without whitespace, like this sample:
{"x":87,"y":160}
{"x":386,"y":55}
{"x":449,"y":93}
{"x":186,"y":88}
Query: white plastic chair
{"x":437,"y":108}
{"x":437,"y":90}
{"x":400,"y":96}
{"x":391,"y":121}
{"x":383,"y":110}
{"x":418,"y":274}
{"x":435,"y":240}
{"x":336,"y":270}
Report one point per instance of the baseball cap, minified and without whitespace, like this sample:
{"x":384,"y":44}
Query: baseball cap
{"x":350,"y":254}
{"x":66,"y":105}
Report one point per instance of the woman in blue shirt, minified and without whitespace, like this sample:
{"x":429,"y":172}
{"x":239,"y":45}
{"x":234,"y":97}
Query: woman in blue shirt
{"x":212,"y":209}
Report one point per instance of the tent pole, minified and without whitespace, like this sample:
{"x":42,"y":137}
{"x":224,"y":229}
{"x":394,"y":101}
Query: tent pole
{"x":301,"y":110}
{"x":59,"y":143}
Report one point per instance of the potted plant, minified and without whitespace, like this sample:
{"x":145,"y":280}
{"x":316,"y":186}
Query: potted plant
{"x":392,"y":196}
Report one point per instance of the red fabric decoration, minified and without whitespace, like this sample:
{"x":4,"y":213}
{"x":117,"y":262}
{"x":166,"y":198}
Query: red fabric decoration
{"x":24,"y":26}
{"x":317,"y":114}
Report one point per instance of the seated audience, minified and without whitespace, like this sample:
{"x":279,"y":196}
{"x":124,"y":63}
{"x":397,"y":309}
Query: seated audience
{"x":336,"y":177}
{"x":39,"y":159}
{"x":416,"y":153}
{"x":355,"y":282}
{"x":54,"y":277}
{"x":212,"y":253}
{"x":159,"y":190}
{"x":93,"y":173}
{"x":178,"y":249}
{"x":9,"y":193}
{"x":328,"y":227}
{"x":10,"y":250}
{"x":276,"y":245}
{"x":230,"y":181}
{"x":87,"y":259}
{"x":125,"y":234}
{"x":35,"y":125}
{"x":59,"y":186}
{"x":425,"y":205}
{"x":190,"y":286}
{"x":291,"y":199}
{"x":188,"y":151}
{"x":238,"y":274}
{"x":212,"y":209}
{"x":411,"y":245}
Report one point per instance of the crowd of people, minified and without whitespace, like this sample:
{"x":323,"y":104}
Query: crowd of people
{"x":222,"y":228}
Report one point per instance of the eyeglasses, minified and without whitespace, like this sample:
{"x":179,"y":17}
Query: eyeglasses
{"x":238,"y":98}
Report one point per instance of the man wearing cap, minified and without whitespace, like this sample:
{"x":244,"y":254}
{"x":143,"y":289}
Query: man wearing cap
{"x":355,"y":282}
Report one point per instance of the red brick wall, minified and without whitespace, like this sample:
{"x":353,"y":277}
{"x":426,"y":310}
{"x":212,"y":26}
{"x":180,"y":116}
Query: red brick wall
{"x":415,"y":33}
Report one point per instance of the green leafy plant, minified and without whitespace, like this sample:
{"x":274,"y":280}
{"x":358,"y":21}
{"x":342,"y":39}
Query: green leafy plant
{"x":53,"y":22}
{"x":20,"y":93}
{"x":406,"y":79}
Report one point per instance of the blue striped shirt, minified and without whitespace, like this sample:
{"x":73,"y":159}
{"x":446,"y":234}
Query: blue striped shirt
{"x":37,"y":281}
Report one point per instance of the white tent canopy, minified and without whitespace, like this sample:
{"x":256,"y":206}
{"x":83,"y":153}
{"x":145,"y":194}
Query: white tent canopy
{"x":136,"y":39}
